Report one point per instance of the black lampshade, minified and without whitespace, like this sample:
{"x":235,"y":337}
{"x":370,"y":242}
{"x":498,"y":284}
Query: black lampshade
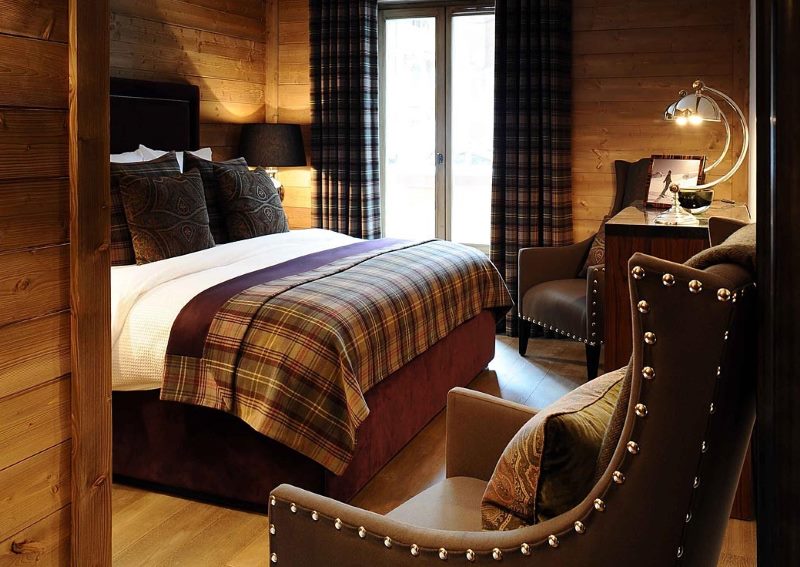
{"x":273,"y":145}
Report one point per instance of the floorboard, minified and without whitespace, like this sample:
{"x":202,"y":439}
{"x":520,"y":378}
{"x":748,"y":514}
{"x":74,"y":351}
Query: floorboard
{"x":159,"y":530}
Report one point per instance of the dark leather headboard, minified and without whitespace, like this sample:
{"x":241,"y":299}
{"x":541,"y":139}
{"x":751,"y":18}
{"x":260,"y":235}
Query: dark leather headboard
{"x":163,"y":116}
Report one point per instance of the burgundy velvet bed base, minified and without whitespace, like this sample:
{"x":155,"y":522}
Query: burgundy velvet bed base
{"x":208,"y":454}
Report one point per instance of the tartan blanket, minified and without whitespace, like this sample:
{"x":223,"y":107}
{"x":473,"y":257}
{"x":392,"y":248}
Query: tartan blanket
{"x":294,"y":354}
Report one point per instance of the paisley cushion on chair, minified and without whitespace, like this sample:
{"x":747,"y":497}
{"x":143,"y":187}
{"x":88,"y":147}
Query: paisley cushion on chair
{"x":549,"y":465}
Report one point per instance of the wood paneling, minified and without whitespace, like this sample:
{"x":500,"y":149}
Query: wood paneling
{"x":34,"y":489}
{"x":631,"y":57}
{"x":294,"y":100}
{"x":218,"y":45}
{"x":90,"y":286}
{"x":44,"y":544}
{"x":33,"y":282}
{"x":35,"y":377}
{"x":33,"y":421}
{"x":33,"y":352}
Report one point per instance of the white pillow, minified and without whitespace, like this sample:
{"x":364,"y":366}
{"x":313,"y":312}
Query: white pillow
{"x":149,"y":154}
{"x":128,"y":157}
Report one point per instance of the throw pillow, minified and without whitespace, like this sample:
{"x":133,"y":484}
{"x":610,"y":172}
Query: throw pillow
{"x":211,"y":187}
{"x":251,"y":203}
{"x":167,"y":216}
{"x":597,"y":252}
{"x":122,"y":252}
{"x":549,"y":465}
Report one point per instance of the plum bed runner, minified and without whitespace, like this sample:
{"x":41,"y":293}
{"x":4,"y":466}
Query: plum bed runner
{"x":292,"y":349}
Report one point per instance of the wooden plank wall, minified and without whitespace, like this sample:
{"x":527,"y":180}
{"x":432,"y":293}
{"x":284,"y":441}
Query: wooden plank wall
{"x":293,"y":89}
{"x":631,"y":57}
{"x":218,"y":45}
{"x":35,"y":438}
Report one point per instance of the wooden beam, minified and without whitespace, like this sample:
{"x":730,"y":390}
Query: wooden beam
{"x":271,"y":60}
{"x":90,"y":281}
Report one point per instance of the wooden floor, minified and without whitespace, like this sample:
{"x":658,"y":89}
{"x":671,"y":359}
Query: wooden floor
{"x":157,"y":530}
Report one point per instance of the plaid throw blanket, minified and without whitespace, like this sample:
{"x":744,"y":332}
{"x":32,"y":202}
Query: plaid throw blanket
{"x":293,"y":356}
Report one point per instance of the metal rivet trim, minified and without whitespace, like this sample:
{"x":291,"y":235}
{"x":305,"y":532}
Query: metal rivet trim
{"x":724,"y":295}
{"x":525,"y":549}
{"x":695,"y":286}
{"x":641,"y":410}
{"x":272,"y":529}
{"x":552,"y":541}
{"x":618,"y":477}
{"x":338,"y":524}
{"x":362,"y":532}
{"x":580,"y":528}
{"x":387,"y":541}
{"x":497,"y":555}
{"x":668,"y":280}
{"x":293,"y":508}
{"x":315,"y":515}
{"x":638,"y":273}
{"x":633,"y":448}
{"x":415,"y":550}
{"x":648,"y":372}
{"x":274,"y":558}
{"x":643,"y":307}
{"x":470,"y":555}
{"x":650,"y":338}
{"x":599,"y":505}
{"x":443,"y":554}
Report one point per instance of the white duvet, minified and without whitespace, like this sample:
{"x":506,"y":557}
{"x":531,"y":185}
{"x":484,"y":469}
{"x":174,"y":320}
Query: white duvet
{"x":145,"y":300}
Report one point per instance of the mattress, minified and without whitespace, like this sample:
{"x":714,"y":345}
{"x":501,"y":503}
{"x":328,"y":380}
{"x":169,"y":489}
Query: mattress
{"x":146,"y":300}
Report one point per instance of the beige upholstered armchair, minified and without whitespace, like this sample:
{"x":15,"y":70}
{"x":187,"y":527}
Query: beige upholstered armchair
{"x":555,"y":295}
{"x":663,"y":500}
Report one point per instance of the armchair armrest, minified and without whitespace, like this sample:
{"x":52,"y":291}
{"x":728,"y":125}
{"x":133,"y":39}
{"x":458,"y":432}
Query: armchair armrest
{"x":595,"y":290}
{"x":473,"y":445}
{"x":538,"y":265}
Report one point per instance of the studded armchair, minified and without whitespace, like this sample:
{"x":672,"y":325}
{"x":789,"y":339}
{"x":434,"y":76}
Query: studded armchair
{"x":664,"y":498}
{"x":552,"y":295}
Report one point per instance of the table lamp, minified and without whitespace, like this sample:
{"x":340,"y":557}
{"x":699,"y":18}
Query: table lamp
{"x":272,"y":146}
{"x":695,"y":109}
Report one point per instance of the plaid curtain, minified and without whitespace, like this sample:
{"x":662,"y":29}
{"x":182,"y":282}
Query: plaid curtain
{"x":531,"y":181}
{"x":344,"y":105}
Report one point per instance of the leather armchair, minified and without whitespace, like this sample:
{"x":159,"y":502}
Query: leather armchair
{"x":665,"y":496}
{"x":553,"y":296}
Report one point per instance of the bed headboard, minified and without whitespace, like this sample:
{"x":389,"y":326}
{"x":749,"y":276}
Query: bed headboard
{"x":164,"y":116}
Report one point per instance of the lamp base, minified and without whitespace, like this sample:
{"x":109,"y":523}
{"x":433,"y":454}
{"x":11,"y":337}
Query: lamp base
{"x":677,"y":216}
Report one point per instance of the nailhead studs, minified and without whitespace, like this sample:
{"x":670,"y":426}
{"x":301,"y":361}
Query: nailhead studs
{"x":443,"y":554}
{"x":552,"y":541}
{"x":415,"y":550}
{"x":643,"y":307}
{"x":274,"y":558}
{"x":362,"y":532}
{"x":293,"y":508}
{"x":470,"y":555}
{"x":688,"y":517}
{"x":668,"y":280}
{"x":525,"y":549}
{"x":599,"y":505}
{"x":695,"y":286}
{"x":618,"y":477}
{"x":272,"y":501}
{"x":641,"y":410}
{"x":580,"y":528}
{"x":272,"y":529}
{"x":711,"y":408}
{"x":703,"y":447}
{"x":724,"y":294}
{"x":633,"y":447}
{"x":337,"y":524}
{"x":696,"y":482}
{"x":315,"y":515}
{"x":680,"y":552}
{"x":638,"y":273}
{"x":725,"y":336}
{"x":650,"y":338}
{"x":497,"y":555}
{"x":387,"y":541}
{"x":648,"y":372}
{"x":719,"y":370}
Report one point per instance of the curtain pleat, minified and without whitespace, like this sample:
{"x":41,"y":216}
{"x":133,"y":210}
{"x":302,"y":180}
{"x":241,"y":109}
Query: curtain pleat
{"x":532,"y":179}
{"x":344,"y":107}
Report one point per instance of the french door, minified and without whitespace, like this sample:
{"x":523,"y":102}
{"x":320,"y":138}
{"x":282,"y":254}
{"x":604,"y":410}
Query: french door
{"x":437,"y":122}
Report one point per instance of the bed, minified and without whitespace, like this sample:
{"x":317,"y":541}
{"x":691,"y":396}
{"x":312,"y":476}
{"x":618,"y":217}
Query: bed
{"x":211,"y":448}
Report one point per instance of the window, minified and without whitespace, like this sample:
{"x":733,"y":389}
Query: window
{"x":437,"y":122}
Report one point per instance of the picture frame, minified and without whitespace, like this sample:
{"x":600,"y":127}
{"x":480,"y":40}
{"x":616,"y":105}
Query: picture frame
{"x":685,"y":170}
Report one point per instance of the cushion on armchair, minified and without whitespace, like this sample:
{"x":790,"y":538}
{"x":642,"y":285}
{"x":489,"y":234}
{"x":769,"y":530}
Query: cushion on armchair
{"x":549,"y":466}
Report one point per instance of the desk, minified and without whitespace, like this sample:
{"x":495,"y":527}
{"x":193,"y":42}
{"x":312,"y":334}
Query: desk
{"x":634,"y":230}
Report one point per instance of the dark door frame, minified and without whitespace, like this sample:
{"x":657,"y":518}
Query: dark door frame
{"x":778,"y":425}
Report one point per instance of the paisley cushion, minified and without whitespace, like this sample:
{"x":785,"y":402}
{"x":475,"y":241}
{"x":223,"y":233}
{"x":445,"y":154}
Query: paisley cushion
{"x":167,"y":216}
{"x":250,"y":202}
{"x":549,"y":466}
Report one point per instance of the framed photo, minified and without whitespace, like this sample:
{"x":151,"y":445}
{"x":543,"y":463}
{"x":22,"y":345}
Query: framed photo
{"x":686,"y":171}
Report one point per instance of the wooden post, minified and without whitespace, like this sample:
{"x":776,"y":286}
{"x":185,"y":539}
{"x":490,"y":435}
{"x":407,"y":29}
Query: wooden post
{"x":90,"y":281}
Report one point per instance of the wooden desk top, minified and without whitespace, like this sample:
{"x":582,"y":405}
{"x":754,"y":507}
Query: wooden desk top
{"x":640,"y":221}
